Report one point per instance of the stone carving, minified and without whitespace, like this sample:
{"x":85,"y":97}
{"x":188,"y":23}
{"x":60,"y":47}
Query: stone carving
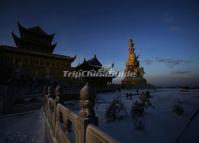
{"x":50,"y":92}
{"x":58,"y":93}
{"x":87,"y":102}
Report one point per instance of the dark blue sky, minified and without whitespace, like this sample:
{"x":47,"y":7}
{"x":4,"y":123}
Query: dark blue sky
{"x":166,"y":32}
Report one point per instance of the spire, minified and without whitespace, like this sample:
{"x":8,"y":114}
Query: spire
{"x":131,"y":56}
{"x":131,"y":44}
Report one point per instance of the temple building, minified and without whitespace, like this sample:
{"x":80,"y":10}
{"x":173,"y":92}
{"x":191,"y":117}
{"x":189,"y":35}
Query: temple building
{"x":133,"y":72}
{"x":34,"y":52}
{"x":96,"y":73}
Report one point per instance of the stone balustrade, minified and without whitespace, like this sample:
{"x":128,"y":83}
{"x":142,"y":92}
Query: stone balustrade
{"x":67,"y":127}
{"x":95,"y":135}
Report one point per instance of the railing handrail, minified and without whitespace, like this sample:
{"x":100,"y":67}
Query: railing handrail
{"x":61,"y":120}
{"x":72,"y":115}
{"x":99,"y":134}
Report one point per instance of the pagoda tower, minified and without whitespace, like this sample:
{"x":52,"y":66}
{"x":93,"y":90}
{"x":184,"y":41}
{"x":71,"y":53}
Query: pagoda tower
{"x":133,"y":72}
{"x":34,"y":39}
{"x":34,"y":53}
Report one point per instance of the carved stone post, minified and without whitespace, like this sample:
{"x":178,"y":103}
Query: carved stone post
{"x":44,"y":91}
{"x":49,"y":94}
{"x":58,"y":98}
{"x":87,"y":114}
{"x":50,"y":91}
{"x":44,"y":95}
{"x":87,"y":102}
{"x":58,"y":94}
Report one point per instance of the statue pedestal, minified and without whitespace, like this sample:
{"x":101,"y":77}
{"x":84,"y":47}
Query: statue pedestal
{"x":130,"y":81}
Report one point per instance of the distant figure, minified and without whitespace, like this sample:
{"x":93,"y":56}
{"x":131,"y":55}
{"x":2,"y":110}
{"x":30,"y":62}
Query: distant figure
{"x":148,"y":95}
{"x":137,"y":91}
{"x":127,"y":95}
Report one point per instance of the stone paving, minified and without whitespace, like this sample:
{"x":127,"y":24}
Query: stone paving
{"x":27,"y":128}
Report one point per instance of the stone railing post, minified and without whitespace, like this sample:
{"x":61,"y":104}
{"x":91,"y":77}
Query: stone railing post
{"x":50,"y":91}
{"x":44,"y":90}
{"x":44,"y":93}
{"x":87,"y":114}
{"x":58,"y":94}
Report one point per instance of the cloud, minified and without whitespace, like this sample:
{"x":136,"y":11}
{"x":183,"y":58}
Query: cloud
{"x":173,"y":62}
{"x":181,"y":72}
{"x":147,"y":61}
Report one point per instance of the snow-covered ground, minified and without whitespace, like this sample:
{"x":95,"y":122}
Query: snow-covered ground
{"x":24,"y":128}
{"x":161,"y":123}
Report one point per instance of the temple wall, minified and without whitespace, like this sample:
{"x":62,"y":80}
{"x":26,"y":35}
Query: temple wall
{"x":39,"y":65}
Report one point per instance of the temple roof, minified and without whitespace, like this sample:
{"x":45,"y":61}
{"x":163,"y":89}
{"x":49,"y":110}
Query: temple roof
{"x":37,"y":30}
{"x":13,"y":49}
{"x":90,"y":64}
{"x":94,"y":61}
{"x":34,"y":30}
{"x":34,"y":39}
{"x":19,"y":41}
